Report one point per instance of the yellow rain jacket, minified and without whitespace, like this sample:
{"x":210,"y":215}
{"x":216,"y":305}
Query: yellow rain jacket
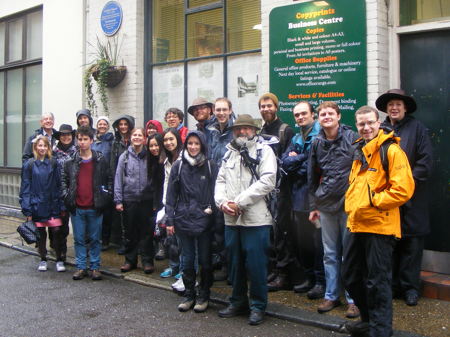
{"x":373,"y":198}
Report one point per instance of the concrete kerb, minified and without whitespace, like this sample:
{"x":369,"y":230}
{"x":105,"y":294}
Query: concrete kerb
{"x":276,"y":310}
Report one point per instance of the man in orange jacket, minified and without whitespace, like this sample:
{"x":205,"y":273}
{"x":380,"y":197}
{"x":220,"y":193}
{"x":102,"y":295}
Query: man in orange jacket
{"x":380,"y":182}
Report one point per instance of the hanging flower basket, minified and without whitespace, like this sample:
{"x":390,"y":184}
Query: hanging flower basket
{"x":115,"y":75}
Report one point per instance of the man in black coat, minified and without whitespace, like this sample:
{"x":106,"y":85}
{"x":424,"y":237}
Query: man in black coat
{"x":416,"y":143}
{"x":47,"y":122}
{"x":285,"y":267}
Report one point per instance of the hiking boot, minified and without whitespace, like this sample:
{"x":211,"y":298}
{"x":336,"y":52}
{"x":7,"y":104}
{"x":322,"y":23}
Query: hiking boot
{"x":232,"y":311}
{"x":60,"y":266}
{"x":280,"y":283}
{"x":201,"y":306}
{"x":186,"y":305}
{"x":127,"y":267}
{"x":256,"y":317}
{"x":96,"y":275}
{"x":328,"y":305}
{"x":316,"y":293}
{"x":304,"y":287}
{"x":79,"y":274}
{"x":352,"y":311}
{"x":42,"y":266}
{"x":161,"y":254}
{"x":358,"y":328}
{"x":149,"y":268}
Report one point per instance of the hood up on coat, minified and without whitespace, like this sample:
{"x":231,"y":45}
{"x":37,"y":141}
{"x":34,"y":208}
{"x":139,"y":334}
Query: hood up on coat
{"x":130,"y":121}
{"x":156,"y":124}
{"x":201,"y":136}
{"x":85,"y":112}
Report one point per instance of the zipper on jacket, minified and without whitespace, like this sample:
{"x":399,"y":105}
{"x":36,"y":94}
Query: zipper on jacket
{"x":370,"y":195}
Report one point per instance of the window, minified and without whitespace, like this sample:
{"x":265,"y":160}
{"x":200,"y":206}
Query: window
{"x":419,"y":11}
{"x":20,"y":83}
{"x":194,"y":44}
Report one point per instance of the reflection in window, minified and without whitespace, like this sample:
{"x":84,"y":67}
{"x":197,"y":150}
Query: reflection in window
{"x":14,"y":116}
{"x":15,"y":40}
{"x":196,"y":3}
{"x":34,"y":35}
{"x":2,"y":43}
{"x":418,"y":11}
{"x":2,"y":114}
{"x":205,"y":33}
{"x":33,"y":100}
{"x":243,"y":25}
{"x":168,"y":30}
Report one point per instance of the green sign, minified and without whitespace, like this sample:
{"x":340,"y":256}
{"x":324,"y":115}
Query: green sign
{"x":317,"y":54}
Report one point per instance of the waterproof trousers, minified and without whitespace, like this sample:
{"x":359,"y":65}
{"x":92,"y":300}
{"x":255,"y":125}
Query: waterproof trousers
{"x":367,"y":274}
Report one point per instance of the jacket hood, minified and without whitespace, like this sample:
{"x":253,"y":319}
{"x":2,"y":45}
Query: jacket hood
{"x":85,"y":112}
{"x":128,"y":118}
{"x":202,"y":137}
{"x":157,"y":125}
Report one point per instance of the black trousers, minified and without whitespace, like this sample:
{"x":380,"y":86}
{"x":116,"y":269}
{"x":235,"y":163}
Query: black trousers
{"x":307,"y":247}
{"x":407,"y":264}
{"x":367,"y":275}
{"x":107,"y":223}
{"x":138,"y":228}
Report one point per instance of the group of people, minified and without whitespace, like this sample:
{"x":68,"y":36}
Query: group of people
{"x":318,"y":211}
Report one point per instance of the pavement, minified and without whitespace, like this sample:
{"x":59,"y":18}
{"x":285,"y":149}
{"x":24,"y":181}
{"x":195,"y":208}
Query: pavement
{"x":429,"y":318}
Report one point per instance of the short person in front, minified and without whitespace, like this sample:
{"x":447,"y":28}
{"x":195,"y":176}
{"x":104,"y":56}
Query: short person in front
{"x":86,"y":186}
{"x":240,"y":195}
{"x":380,"y":182}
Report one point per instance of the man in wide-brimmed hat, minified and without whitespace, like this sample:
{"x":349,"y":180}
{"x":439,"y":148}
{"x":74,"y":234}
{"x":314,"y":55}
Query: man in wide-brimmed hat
{"x":416,"y":143}
{"x":202,"y":110}
{"x":239,"y":194}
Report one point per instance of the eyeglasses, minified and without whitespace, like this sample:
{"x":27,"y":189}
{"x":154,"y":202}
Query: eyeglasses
{"x":368,"y":123}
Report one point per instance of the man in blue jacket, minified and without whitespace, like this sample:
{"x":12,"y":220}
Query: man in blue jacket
{"x":304,"y":236}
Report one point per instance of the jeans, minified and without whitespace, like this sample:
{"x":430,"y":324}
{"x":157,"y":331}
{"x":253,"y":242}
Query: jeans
{"x":247,"y":249}
{"x":334,"y":237}
{"x":191,"y":247}
{"x":87,"y":223}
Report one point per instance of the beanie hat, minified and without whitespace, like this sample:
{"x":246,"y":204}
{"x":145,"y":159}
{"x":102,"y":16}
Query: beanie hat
{"x":103,"y":118}
{"x":268,"y":95}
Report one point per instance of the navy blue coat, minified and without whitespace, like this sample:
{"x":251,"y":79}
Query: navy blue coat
{"x":416,"y":143}
{"x":297,"y":168}
{"x":103,"y":144}
{"x":40,"y":190}
{"x":190,"y":192}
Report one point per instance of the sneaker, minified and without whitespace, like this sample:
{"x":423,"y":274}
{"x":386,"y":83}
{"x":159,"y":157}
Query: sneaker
{"x":186,"y":305}
{"x":79,"y":274}
{"x":352,"y":311}
{"x":60,"y":266}
{"x":178,"y":276}
{"x":178,"y":285}
{"x":201,"y":306}
{"x":168,"y":272}
{"x":161,"y":254}
{"x":96,"y":275}
{"x":42,"y":266}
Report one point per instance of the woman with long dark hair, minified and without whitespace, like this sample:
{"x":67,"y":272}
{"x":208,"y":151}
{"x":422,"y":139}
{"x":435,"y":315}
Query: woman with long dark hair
{"x":190,"y":209}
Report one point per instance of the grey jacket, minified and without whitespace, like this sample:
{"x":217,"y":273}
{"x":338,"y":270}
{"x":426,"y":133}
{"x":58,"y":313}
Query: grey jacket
{"x":131,"y":180}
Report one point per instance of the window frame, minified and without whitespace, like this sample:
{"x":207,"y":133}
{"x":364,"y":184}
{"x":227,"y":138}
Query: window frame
{"x":148,"y":53}
{"x":8,"y":66}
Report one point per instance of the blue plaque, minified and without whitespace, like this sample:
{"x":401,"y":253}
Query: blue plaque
{"x":111,"y":18}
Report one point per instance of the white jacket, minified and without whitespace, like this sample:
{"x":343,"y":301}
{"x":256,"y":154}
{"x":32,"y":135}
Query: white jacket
{"x":234,"y":183}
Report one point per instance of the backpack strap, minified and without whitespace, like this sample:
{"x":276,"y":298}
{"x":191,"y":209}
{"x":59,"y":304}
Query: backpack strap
{"x":384,"y":155}
{"x":282,"y":133}
{"x":125,"y":164}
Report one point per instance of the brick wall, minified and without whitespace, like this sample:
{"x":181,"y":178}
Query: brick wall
{"x":128,"y":96}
